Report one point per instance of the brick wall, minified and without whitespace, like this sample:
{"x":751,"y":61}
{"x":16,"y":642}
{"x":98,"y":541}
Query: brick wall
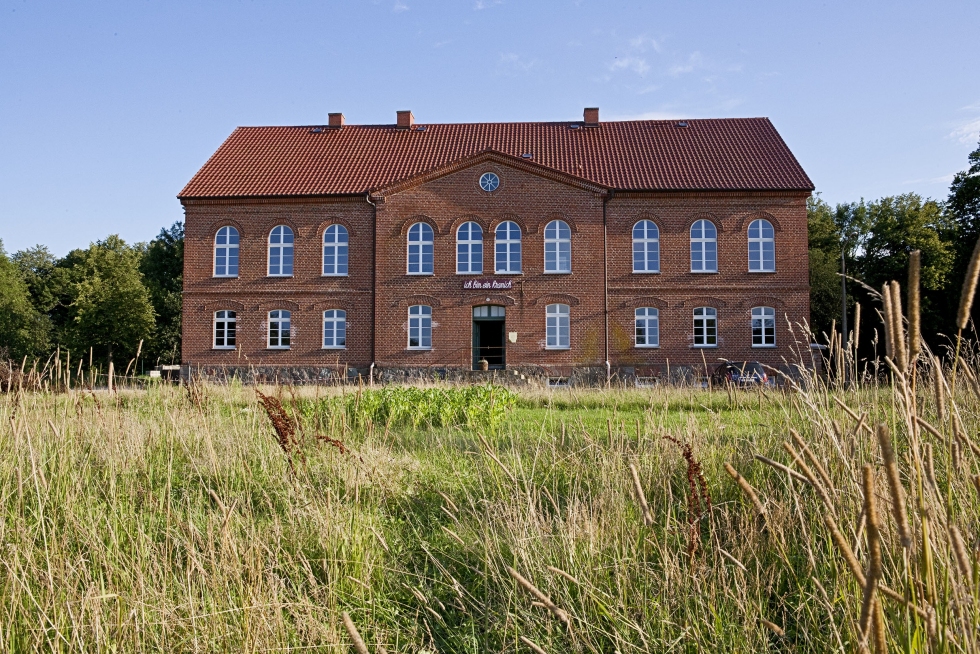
{"x":377,"y":321}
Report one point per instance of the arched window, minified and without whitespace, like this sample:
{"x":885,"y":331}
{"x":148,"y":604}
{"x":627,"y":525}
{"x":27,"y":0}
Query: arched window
{"x":646,"y":247}
{"x":469,"y":249}
{"x":762,"y":246}
{"x":557,"y":327}
{"x":280,"y":251}
{"x":279,"y":330}
{"x":420,"y":249}
{"x":420,"y":327}
{"x":705,"y":327}
{"x":704,"y":247}
{"x":647,"y":327}
{"x":507,"y":244}
{"x":557,"y":247}
{"x":225,"y":328}
{"x":763,"y":327}
{"x":226,"y":252}
{"x":334,"y":329}
{"x":335,"y":250}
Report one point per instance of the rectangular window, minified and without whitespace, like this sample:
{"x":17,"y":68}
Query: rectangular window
{"x":557,"y":327}
{"x":705,"y":327}
{"x":225,"y":327}
{"x":420,"y":327}
{"x":334,"y":329}
{"x":647,"y":327}
{"x":763,"y":327}
{"x":279,"y":330}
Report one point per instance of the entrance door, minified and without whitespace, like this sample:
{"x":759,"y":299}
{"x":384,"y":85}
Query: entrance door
{"x":488,"y":336}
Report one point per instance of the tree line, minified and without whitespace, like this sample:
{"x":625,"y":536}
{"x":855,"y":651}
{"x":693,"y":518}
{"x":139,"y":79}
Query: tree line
{"x":876,"y":237}
{"x":107,"y":300}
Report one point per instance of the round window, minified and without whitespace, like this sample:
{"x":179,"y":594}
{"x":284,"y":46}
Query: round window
{"x":489,"y":182}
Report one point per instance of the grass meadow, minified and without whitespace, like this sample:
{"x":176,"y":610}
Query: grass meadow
{"x":180,"y":519}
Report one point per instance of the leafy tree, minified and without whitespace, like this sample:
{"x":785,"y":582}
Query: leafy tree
{"x":110,"y":309}
{"x":825,"y":248}
{"x":162,"y":266}
{"x":964,"y":209}
{"x":23,"y":330}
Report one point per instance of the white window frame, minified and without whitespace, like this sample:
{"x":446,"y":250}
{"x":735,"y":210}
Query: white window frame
{"x":283,"y":249}
{"x":649,"y":318}
{"x":469,"y":247}
{"x":225,"y":320}
{"x":643,"y":246}
{"x":558,"y":245}
{"x":508,"y":246}
{"x":420,"y":325}
{"x":337,"y":319}
{"x":557,"y":317}
{"x":338,"y":246}
{"x":419,"y":248}
{"x":761,"y":316}
{"x":705,"y":319}
{"x":225,"y":250}
{"x":700,"y":244}
{"x":279,"y":319}
{"x":761,"y":245}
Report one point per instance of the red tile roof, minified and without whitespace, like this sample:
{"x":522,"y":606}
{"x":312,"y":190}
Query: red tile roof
{"x":716,"y":154}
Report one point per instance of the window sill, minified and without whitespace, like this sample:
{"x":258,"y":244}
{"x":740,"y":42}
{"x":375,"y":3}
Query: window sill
{"x":647,"y":347}
{"x":289,"y":275}
{"x":224,"y":347}
{"x":463,"y":274}
{"x":334,"y":275}
{"x":704,"y":272}
{"x":763,"y":272}
{"x":411,"y":274}
{"x":278,"y":347}
{"x":764,"y":347}
{"x":419,"y":349}
{"x":568,"y":347}
{"x":502,"y":272}
{"x":646,"y":272}
{"x":557,"y":272}
{"x":334,"y":347}
{"x":704,"y":347}
{"x":224,"y":276}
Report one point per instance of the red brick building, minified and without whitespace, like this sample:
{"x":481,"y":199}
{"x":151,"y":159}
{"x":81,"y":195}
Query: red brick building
{"x":549,"y":248}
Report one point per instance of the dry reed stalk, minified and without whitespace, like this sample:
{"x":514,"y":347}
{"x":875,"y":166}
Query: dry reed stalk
{"x":773,"y":627}
{"x":779,"y":466}
{"x":856,"y":333}
{"x":541,"y":597}
{"x":760,"y":509}
{"x":930,"y":465}
{"x":811,"y":478}
{"x":874,"y":550}
{"x":939,"y":389}
{"x":878,"y":629}
{"x":969,"y":289}
{"x":886,"y":318}
{"x":958,"y":545}
{"x":562,"y":573}
{"x":972,"y":378}
{"x":732,"y":559}
{"x":954,"y":454}
{"x":641,"y":497}
{"x":895,"y":486}
{"x":534,"y":648}
{"x":976,"y":482}
{"x":898,"y":329}
{"x":858,"y":419}
{"x":814,"y":461}
{"x":961,"y":436}
{"x":915,"y":269}
{"x":845,"y":549}
{"x":354,"y":635}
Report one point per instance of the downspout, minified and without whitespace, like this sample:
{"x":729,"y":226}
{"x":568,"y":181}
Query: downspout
{"x":374,"y":290}
{"x":605,"y":284}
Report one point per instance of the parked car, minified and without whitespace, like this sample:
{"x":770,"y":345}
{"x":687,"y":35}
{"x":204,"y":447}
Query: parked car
{"x":740,"y":373}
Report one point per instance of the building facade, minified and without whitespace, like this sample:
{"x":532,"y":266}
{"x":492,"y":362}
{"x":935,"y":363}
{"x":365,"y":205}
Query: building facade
{"x":560,"y":249}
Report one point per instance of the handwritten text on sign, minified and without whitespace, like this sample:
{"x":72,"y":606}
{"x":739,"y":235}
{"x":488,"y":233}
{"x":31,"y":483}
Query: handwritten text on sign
{"x":488,"y":284}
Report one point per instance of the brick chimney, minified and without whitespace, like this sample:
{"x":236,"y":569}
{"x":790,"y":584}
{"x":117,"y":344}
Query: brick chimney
{"x":591,"y":116}
{"x":336,"y":120}
{"x":405,"y":120}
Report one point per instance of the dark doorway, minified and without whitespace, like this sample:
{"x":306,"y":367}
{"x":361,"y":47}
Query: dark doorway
{"x":488,"y":336}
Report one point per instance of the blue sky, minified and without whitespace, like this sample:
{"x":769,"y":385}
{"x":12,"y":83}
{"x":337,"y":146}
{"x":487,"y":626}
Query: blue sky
{"x":108,"y":108}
